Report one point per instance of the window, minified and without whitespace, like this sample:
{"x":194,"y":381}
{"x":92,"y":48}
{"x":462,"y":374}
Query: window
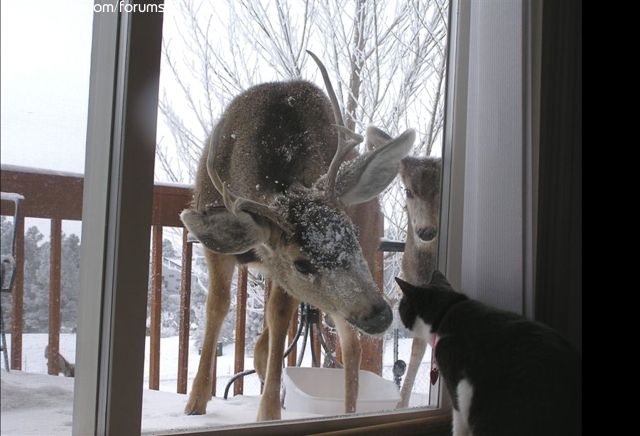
{"x":493,"y":119}
{"x":46,"y":57}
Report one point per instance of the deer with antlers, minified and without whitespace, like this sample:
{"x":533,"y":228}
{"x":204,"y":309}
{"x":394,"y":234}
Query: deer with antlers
{"x":273,"y":190}
{"x":421,"y":179}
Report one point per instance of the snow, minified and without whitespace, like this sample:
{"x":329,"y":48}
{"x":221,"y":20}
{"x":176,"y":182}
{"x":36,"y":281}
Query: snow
{"x":11,"y":196}
{"x":36,"y":170}
{"x":35,"y":404}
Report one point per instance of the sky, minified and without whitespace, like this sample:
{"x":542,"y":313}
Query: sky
{"x":44,"y":73}
{"x":36,"y":404}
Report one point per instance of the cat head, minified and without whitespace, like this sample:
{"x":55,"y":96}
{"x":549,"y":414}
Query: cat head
{"x":422,"y":307}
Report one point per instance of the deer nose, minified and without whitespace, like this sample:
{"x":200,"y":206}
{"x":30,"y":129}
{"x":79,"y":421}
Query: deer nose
{"x":427,"y":234}
{"x":378,"y":322}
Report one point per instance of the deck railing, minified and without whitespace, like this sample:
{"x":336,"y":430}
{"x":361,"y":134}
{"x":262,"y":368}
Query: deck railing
{"x":57,"y":196}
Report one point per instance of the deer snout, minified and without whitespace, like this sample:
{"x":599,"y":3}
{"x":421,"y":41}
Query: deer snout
{"x":378,"y":321}
{"x":427,"y":234}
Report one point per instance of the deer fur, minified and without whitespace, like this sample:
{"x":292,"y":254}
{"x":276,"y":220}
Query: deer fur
{"x":271,"y":192}
{"x":421,"y":179}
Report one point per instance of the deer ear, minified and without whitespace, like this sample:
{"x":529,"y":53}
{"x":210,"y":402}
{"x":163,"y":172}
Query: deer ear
{"x":368,"y":175}
{"x":224,"y":232}
{"x":375,"y":137}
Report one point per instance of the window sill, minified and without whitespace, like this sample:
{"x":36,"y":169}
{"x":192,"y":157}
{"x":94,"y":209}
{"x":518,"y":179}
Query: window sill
{"x":422,"y":422}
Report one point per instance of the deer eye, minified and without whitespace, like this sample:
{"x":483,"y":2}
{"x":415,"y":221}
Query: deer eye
{"x":409,"y":193}
{"x":305,"y":267}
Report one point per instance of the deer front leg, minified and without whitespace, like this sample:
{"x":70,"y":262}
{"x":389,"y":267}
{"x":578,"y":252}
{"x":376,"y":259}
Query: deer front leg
{"x":351,"y":356}
{"x":261,"y":354}
{"x":217,"y":307}
{"x":279,"y":309}
{"x":418,"y":348}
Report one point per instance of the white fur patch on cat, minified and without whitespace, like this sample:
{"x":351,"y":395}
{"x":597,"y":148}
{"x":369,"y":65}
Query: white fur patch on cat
{"x":422,"y":330}
{"x":461,"y":416}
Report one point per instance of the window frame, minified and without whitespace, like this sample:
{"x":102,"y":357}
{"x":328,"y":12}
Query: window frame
{"x":117,"y":213}
{"x":117,"y":206}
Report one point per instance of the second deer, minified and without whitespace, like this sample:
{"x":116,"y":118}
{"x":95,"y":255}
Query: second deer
{"x":421,"y":179}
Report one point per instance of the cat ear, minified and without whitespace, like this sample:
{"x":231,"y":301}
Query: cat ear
{"x":439,"y":279}
{"x":406,"y":287}
{"x":436,"y":275}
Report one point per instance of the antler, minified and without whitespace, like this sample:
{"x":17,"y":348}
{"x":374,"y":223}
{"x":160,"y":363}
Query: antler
{"x":344,"y":145}
{"x":235,"y":203}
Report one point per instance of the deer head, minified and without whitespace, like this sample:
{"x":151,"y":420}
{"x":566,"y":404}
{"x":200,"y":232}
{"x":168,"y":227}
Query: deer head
{"x":297,"y":231}
{"x":421,"y":179}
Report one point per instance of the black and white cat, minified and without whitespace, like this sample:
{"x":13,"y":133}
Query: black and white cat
{"x":506,"y":375}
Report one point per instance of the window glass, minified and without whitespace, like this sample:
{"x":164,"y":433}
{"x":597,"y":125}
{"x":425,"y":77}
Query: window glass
{"x":387,"y":64}
{"x":46,"y":53}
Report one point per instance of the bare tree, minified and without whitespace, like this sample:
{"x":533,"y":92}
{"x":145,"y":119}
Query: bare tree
{"x":387,"y":60}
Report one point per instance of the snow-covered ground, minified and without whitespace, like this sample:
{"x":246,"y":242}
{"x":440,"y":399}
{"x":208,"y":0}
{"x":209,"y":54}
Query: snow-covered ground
{"x":34,"y":403}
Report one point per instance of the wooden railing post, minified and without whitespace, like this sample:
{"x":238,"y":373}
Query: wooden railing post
{"x":155,"y":308}
{"x":55,"y":261}
{"x":317,"y":347}
{"x":241,"y":324}
{"x":293,"y":329}
{"x":185,"y":311}
{"x":17,"y":295}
